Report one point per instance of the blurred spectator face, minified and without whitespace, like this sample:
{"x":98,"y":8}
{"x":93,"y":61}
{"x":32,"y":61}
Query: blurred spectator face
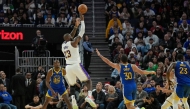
{"x":149,"y":33}
{"x":158,"y":71}
{"x":148,"y":86}
{"x":152,"y":83}
{"x":158,"y":17}
{"x":118,"y":85}
{"x":100,"y":84}
{"x":121,"y":51}
{"x":86,"y":38}
{"x":150,"y":52}
{"x":49,"y":20}
{"x":155,"y":60}
{"x":5,"y":89}
{"x":98,"y":87}
{"x":188,"y":52}
{"x":184,"y":22}
{"x":38,"y":32}
{"x":150,"y":64}
{"x":161,"y":47}
{"x":115,"y":24}
{"x":116,"y":40}
{"x":59,"y":19}
{"x":134,"y":50}
{"x":184,"y":16}
{"x":124,"y":10}
{"x":139,"y":88}
{"x":39,"y":15}
{"x":3,"y":75}
{"x":15,"y":15}
{"x":179,"y":45}
{"x":164,"y":83}
{"x":36,"y":99}
{"x":21,"y":5}
{"x":147,"y":9}
{"x":167,"y":60}
{"x":111,"y":89}
{"x":106,"y":87}
{"x":166,"y":37}
{"x":39,"y":80}
{"x":6,"y":20}
{"x":133,"y":60}
{"x":151,"y":41}
{"x":1,"y":87}
{"x":142,"y":19}
{"x":119,"y":47}
{"x":140,"y":35}
{"x":181,"y":30}
{"x":141,"y":25}
{"x":28,"y":75}
{"x":154,"y":23}
{"x":114,"y":8}
{"x":85,"y":88}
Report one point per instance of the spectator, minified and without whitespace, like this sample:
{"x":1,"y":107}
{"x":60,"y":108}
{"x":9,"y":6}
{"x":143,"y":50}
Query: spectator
{"x":18,"y":89}
{"x":140,"y":96}
{"x":152,"y":36}
{"x":88,"y":50}
{"x":111,"y":98}
{"x":35,"y":104}
{"x":6,"y":98}
{"x":111,"y":23}
{"x":99,"y":96}
{"x":5,"y":81}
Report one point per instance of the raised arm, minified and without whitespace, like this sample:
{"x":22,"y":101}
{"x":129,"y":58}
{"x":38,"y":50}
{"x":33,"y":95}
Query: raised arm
{"x":169,"y":70}
{"x":73,"y":32}
{"x":144,"y":72}
{"x":77,"y":39}
{"x":107,"y":61}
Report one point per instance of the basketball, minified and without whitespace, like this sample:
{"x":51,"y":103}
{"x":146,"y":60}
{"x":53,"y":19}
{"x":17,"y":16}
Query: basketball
{"x":82,"y":8}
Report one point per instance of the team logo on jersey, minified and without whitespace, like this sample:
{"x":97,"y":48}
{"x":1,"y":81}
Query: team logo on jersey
{"x":56,"y":79}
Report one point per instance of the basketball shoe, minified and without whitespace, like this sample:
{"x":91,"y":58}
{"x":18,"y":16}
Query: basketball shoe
{"x":89,"y":99}
{"x":74,"y":103}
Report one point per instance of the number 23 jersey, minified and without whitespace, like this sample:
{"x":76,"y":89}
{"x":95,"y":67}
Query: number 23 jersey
{"x":71,"y":54}
{"x":182,"y":73}
{"x":127,"y":74}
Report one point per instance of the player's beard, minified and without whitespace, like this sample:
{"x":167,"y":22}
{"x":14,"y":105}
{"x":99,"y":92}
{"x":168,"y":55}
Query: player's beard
{"x":71,"y":39}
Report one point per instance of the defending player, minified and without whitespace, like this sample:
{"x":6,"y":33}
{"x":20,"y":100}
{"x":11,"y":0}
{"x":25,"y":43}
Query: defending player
{"x":71,"y":51}
{"x":182,"y":75}
{"x":56,"y":85}
{"x":127,"y":73}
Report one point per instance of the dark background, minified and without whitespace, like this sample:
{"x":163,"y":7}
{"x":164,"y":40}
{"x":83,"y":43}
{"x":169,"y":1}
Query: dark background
{"x":54,"y":36}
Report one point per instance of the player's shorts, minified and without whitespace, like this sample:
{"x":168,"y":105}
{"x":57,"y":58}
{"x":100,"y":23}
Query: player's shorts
{"x":61,"y":91}
{"x":74,"y":71}
{"x":182,"y":91}
{"x":129,"y":93}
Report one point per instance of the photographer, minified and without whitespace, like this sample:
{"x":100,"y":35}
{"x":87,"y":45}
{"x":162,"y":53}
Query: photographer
{"x":39,"y":44}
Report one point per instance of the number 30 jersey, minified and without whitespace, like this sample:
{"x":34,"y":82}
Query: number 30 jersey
{"x":127,"y":74}
{"x":71,"y":54}
{"x":182,"y":73}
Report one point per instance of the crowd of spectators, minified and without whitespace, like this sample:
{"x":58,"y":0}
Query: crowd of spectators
{"x":151,"y":33}
{"x":53,"y":13}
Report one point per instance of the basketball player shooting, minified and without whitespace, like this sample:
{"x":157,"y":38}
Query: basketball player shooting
{"x":74,"y":68}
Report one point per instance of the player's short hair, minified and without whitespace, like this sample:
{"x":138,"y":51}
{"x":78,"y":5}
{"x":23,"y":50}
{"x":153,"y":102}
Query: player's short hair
{"x":66,"y":35}
{"x":55,"y":61}
{"x":180,"y":57}
{"x":124,"y":58}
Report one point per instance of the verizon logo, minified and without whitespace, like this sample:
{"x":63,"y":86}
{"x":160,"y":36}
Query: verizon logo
{"x":11,"y":35}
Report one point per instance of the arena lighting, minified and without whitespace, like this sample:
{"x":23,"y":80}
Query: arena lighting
{"x":11,"y":35}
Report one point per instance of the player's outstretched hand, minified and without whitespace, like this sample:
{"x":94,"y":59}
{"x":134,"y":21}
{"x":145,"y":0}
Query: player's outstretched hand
{"x":98,"y":53}
{"x":77,"y":23}
{"x":81,"y":17}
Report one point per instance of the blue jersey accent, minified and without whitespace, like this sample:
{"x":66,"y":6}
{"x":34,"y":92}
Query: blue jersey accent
{"x":127,"y":74}
{"x":57,"y":80}
{"x":182,"y":73}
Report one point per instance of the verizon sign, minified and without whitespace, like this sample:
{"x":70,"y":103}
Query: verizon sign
{"x":10,"y":36}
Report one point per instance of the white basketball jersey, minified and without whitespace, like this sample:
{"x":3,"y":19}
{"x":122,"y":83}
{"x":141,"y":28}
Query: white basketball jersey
{"x":71,"y":54}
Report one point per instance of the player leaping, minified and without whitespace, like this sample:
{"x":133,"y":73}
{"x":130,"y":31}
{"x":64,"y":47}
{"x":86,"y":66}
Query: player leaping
{"x":127,"y":74}
{"x":74,"y":68}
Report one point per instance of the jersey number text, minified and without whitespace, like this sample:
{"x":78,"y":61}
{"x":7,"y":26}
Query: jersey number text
{"x":183,"y":70}
{"x":67,"y":54}
{"x":128,"y":75}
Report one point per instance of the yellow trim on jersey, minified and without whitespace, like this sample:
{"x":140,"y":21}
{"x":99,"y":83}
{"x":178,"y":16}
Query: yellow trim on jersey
{"x":57,"y":71}
{"x":47,"y":95}
{"x":64,"y":93}
{"x":126,"y":101}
